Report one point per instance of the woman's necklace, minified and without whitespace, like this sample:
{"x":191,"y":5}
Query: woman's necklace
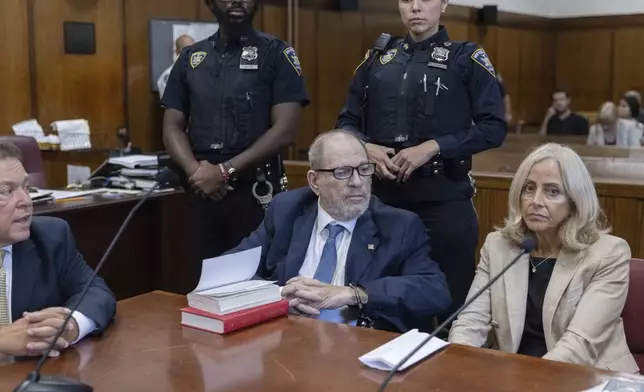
{"x":534,"y":267}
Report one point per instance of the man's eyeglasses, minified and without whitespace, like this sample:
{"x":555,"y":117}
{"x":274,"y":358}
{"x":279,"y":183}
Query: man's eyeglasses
{"x":344,"y":172}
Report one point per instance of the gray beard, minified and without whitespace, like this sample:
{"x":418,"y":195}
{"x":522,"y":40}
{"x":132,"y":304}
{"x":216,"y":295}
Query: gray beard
{"x":344,"y":211}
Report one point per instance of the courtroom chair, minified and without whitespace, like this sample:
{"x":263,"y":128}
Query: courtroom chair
{"x":31,"y":158}
{"x":633,"y":314}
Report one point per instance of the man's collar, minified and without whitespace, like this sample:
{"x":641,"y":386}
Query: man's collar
{"x":439,"y":38}
{"x":246,"y":39}
{"x":7,"y":248}
{"x":324,"y":219}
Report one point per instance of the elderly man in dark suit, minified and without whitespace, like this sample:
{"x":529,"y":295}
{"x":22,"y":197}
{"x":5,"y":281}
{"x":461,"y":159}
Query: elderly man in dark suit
{"x":41,"y":273}
{"x":340,"y":254}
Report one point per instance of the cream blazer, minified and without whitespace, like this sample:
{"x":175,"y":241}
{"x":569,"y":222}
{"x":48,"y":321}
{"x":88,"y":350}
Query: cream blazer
{"x":581,"y":308}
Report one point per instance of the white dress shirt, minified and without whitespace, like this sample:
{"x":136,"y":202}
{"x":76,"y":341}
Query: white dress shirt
{"x":316,"y":246}
{"x":162,"y":82}
{"x":319,"y":236}
{"x":85,"y":324}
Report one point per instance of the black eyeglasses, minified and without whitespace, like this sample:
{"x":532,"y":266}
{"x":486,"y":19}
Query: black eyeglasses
{"x":344,"y":172}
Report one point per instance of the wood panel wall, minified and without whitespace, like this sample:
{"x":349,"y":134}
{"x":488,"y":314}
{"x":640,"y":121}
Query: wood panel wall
{"x":597,"y":59}
{"x":15,"y":80}
{"x":111,"y":88}
{"x":593,"y":58}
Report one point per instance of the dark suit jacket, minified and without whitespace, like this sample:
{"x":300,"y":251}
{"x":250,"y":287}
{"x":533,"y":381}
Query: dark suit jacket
{"x":48,"y":271}
{"x":402,"y":282}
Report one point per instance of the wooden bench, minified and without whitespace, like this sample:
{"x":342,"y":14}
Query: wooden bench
{"x":601,"y":167}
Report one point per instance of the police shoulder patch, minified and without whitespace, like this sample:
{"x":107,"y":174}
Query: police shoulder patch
{"x":293,"y":60}
{"x":366,"y":57}
{"x":196,"y":58}
{"x":480,"y":57}
{"x":388,"y":56}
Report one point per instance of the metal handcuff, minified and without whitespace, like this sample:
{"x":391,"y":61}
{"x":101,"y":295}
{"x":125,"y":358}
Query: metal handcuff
{"x":265,"y":200}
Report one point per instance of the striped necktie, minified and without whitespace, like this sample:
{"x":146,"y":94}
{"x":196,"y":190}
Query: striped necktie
{"x":5,"y":319}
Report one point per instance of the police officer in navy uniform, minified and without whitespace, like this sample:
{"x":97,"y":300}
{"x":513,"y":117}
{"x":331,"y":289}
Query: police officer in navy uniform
{"x":233,"y":103}
{"x":424,"y":104}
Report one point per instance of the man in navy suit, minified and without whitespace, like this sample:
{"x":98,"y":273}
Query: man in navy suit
{"x":340,"y":254}
{"x":42,"y":274}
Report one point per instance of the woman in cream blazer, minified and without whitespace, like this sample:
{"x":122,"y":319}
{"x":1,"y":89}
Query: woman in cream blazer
{"x":562,"y":301}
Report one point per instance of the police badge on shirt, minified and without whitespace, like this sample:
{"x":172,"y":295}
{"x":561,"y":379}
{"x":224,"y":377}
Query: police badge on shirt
{"x":249,"y":58}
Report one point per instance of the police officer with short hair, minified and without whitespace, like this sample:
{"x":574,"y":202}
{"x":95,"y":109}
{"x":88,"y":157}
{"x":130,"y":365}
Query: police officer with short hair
{"x":424,"y":104}
{"x":233,"y":103}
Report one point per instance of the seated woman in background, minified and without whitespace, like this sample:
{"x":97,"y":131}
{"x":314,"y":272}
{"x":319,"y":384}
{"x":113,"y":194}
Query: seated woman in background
{"x":629,"y":110}
{"x":563,"y":301}
{"x":611,"y":130}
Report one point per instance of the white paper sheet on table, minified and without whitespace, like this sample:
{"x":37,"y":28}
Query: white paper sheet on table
{"x":389,"y":354}
{"x":229,"y":269}
{"x":60,"y":195}
{"x":620,"y":384}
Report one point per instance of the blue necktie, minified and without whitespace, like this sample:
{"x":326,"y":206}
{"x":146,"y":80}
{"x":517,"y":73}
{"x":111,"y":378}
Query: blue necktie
{"x":329,"y":259}
{"x":326,"y":269}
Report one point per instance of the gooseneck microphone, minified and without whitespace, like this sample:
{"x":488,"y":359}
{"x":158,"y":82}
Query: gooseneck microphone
{"x":37,"y":383}
{"x":526,"y":247}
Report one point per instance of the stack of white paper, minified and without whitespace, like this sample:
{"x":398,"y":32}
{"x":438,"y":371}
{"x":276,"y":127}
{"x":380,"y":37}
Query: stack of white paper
{"x":134,"y":161}
{"x":391,"y":353}
{"x":74,"y":134}
{"x":30,"y":128}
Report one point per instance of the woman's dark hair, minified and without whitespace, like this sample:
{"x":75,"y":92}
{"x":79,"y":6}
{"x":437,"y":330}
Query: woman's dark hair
{"x":633,"y":105}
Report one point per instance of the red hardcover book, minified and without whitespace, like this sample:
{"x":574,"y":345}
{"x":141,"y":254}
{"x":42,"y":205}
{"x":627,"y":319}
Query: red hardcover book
{"x":223,"y":324}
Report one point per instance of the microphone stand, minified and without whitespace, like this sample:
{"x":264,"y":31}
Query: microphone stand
{"x":527,"y":247}
{"x":37,"y":383}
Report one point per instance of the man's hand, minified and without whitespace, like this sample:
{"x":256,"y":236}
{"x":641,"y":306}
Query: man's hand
{"x":412,"y":158}
{"x":208,"y":181}
{"x":45,"y":323}
{"x":379,"y":155}
{"x":309,"y":296}
{"x":24,"y":339}
{"x":551,"y":112}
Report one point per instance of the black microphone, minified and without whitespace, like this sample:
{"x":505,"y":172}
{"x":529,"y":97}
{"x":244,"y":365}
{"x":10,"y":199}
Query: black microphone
{"x":37,"y":383}
{"x":526,"y":247}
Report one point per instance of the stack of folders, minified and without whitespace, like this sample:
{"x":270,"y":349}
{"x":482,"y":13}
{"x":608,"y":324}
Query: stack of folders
{"x":136,"y":171}
{"x":228,"y":299}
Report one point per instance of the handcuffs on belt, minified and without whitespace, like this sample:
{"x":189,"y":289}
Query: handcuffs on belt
{"x":260,"y":175}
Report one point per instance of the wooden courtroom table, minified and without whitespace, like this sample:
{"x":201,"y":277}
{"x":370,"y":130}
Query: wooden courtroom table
{"x":155,"y":252}
{"x":147,"y":350}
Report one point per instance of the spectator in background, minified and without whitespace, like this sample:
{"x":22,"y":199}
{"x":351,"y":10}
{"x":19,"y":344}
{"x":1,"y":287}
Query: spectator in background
{"x":629,"y":109}
{"x":506,"y":100}
{"x":560,"y":120}
{"x":181,"y":42}
{"x":638,"y":96}
{"x":611,"y":130}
